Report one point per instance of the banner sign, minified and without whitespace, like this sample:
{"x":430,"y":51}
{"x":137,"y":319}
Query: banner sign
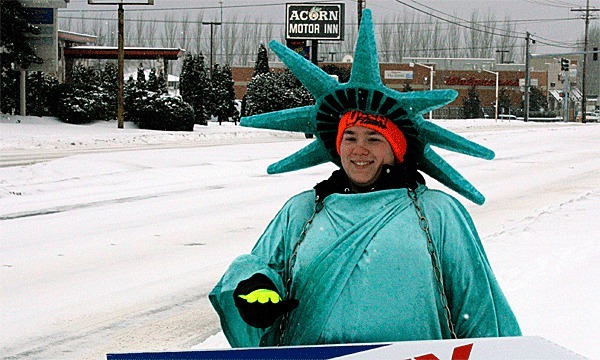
{"x":315,"y":21}
{"x":507,"y":348}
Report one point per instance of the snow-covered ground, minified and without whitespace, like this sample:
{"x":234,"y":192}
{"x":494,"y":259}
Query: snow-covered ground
{"x":111,"y":239}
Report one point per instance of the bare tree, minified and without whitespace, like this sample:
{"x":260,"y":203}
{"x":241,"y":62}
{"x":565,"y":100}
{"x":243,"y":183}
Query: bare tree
{"x":437,"y":40}
{"x":487,"y":37}
{"x":385,"y":40}
{"x":268,"y":36}
{"x":507,"y":44}
{"x":244,"y":45}
{"x":130,"y":32}
{"x":198,"y":45}
{"x":453,"y":40}
{"x":399,"y":37}
{"x":472,"y":37}
{"x":185,"y":32}
{"x":139,"y":26}
{"x":170,"y":31}
{"x":349,"y":36}
{"x":99,"y":29}
{"x":230,"y":34}
{"x":151,"y":31}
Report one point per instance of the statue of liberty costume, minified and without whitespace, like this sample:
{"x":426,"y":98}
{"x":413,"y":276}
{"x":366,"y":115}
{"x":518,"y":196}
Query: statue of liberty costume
{"x":392,"y":265}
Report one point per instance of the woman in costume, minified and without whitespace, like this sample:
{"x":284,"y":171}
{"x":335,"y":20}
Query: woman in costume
{"x":370,"y":254}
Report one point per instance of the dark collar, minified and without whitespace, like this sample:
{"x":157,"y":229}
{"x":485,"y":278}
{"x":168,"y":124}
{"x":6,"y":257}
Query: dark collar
{"x":391,"y":177}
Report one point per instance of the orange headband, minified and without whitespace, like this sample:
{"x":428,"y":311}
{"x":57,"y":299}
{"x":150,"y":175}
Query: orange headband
{"x":381,"y":124}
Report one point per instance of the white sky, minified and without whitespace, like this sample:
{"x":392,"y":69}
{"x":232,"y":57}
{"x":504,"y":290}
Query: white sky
{"x":534,"y":16}
{"x":113,"y":245}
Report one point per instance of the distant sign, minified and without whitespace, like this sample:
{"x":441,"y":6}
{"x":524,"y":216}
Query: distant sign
{"x":315,"y":21}
{"x":398,"y":75}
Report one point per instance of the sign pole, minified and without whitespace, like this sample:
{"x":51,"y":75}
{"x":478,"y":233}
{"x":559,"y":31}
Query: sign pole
{"x":121,"y":50}
{"x":120,"y":66}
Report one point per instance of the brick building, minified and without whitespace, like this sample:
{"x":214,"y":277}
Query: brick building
{"x":457,"y":74}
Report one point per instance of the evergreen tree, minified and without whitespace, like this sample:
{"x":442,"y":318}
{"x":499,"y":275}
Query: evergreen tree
{"x":13,"y":30}
{"x":537,"y":100}
{"x":141,"y":77}
{"x":195,"y":87}
{"x":186,"y":83}
{"x":153,"y":81}
{"x":84,"y":75}
{"x":407,"y":88}
{"x":504,"y":104}
{"x":275,"y":91}
{"x":40,"y":87}
{"x":229,"y":84}
{"x":262,"y":62}
{"x":162,"y":83}
{"x":343,"y":73}
{"x":472,"y":104}
{"x":219,"y":94}
{"x":109,"y":83}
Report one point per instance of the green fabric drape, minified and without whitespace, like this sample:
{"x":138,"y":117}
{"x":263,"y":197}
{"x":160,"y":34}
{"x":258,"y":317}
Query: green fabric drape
{"x":363,"y":273}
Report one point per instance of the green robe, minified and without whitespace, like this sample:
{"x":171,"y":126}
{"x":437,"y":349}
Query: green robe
{"x":363,"y":273}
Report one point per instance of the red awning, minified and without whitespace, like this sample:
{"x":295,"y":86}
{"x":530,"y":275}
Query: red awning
{"x":102,"y":52}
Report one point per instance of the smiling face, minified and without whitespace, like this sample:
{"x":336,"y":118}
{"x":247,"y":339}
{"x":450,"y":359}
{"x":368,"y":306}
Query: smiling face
{"x":363,"y":153}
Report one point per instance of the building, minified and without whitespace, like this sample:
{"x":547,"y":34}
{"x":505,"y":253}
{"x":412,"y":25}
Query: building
{"x":457,"y":74}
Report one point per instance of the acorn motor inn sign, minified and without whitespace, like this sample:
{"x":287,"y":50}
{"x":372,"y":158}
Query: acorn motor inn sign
{"x":315,"y":21}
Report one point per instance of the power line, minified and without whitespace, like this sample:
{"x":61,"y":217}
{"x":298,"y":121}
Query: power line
{"x":456,"y":23}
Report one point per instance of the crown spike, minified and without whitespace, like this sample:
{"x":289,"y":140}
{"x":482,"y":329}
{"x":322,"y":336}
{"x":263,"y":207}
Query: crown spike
{"x":365,"y":68}
{"x":297,"y":120}
{"x":317,"y":81}
{"x":311,"y":155}
{"x":437,"y":168}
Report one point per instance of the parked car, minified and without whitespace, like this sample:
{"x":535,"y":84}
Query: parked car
{"x":590,"y":117}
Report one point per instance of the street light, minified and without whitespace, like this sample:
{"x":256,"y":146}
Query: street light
{"x":222,"y":57}
{"x":412,"y":64}
{"x":495,"y":73}
{"x":212,"y":24}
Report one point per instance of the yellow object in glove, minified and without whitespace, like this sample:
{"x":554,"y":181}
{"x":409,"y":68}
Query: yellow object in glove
{"x":263,"y":296}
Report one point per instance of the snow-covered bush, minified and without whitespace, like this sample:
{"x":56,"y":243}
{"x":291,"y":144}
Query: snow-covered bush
{"x":81,"y":104}
{"x":40,"y":88}
{"x":275,"y":91}
{"x":39,"y":91}
{"x":155,"y":112}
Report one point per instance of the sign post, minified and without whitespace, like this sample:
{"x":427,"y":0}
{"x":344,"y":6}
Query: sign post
{"x":121,"y":50}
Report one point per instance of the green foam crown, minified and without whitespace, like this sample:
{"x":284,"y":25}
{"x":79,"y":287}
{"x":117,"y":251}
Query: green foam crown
{"x":366,"y":92}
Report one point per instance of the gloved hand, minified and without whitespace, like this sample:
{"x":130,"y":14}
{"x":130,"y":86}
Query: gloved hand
{"x":259,"y":303}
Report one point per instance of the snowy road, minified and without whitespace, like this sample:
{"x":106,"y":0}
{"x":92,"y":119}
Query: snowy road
{"x":110,"y":252}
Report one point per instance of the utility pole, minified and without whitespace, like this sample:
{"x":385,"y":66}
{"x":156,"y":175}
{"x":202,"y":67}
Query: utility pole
{"x":120,"y":68}
{"x":360,"y":5}
{"x":585,"y":49}
{"x":120,"y":50}
{"x":527,"y":77}
{"x":502,"y":52}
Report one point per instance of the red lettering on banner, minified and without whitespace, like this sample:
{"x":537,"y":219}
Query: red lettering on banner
{"x":455,"y":80}
{"x":459,"y":353}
